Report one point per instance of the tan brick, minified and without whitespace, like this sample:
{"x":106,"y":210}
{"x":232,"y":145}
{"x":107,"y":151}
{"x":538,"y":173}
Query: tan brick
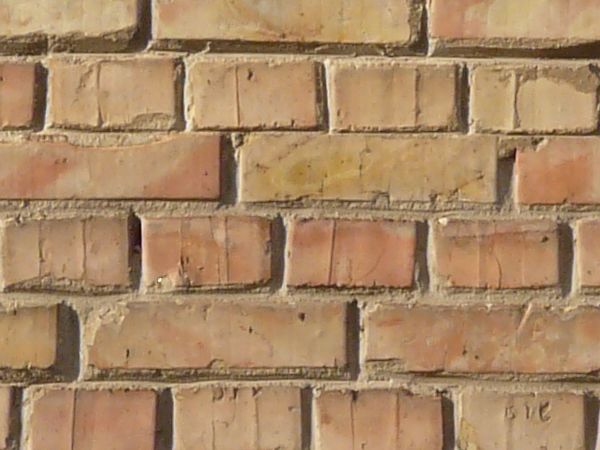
{"x":237,"y":418}
{"x":350,"y":253}
{"x":345,"y":419}
{"x":5,"y":416}
{"x":278,"y":167}
{"x":560,"y":170}
{"x":498,"y":421}
{"x":587,"y":253}
{"x":535,"y":99}
{"x":28,"y":338}
{"x":103,"y":24}
{"x":137,"y":94}
{"x":513,"y":24}
{"x":92,"y":420}
{"x":92,"y":252}
{"x":310,"y":21}
{"x":167,"y":167}
{"x":496,"y":254}
{"x":220,"y":335}
{"x":205,"y":251}
{"x":384,"y":96}
{"x":483,"y":340}
{"x":17,"y":95}
{"x":229,"y":93}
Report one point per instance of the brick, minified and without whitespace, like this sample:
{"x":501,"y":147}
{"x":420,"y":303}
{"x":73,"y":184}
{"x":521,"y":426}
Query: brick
{"x":388,"y":96}
{"x":587,"y":253}
{"x":119,"y":94}
{"x":65,"y":252}
{"x":344,"y":419}
{"x":535,"y":99}
{"x":92,"y":420}
{"x":99,"y":25}
{"x":236,"y":418}
{"x":220,"y":335}
{"x":168,"y":167}
{"x":28,"y":338}
{"x":254,"y":93}
{"x":529,"y":421}
{"x":205,"y":251}
{"x":350,"y":253}
{"x":483,"y":340}
{"x":306,"y":21}
{"x":512,"y":24}
{"x":278,"y":167}
{"x":559,"y":170}
{"x":17,"y":95}
{"x":5,"y":416}
{"x":496,"y":254}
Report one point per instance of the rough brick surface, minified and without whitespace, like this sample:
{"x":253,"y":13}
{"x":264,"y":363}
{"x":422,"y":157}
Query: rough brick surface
{"x":17,"y":95}
{"x":588,"y":253}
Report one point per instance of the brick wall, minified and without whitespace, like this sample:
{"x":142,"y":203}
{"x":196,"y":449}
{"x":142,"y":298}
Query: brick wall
{"x":294,"y":225}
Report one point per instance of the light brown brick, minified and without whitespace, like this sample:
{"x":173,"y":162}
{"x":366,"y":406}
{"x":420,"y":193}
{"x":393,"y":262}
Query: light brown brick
{"x":238,"y":418}
{"x":373,"y":95}
{"x":278,"y":167}
{"x":490,"y":420}
{"x":92,"y":420}
{"x":587,"y":253}
{"x":137,"y":94}
{"x":496,"y":254}
{"x":483,"y":340}
{"x":234,"y":93}
{"x":535,"y":99}
{"x":346,"y":420}
{"x":28,"y":338}
{"x":5,"y":416}
{"x":310,"y":21}
{"x":205,"y":251}
{"x":17,"y":95}
{"x":167,"y":167}
{"x":220,"y":335}
{"x":350,"y":253}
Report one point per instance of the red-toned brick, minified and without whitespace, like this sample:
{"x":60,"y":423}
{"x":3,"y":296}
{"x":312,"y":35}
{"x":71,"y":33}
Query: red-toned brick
{"x":345,"y":420}
{"x":220,"y":335}
{"x":65,"y":252}
{"x":237,"y":418}
{"x":28,"y":338}
{"x":496,"y":254}
{"x":351,"y":253}
{"x":171,"y":167}
{"x":587,"y":253}
{"x":17,"y":95}
{"x":5,"y":416}
{"x":205,"y":251}
{"x":92,"y":420}
{"x":483,"y":340}
{"x":228,"y":93}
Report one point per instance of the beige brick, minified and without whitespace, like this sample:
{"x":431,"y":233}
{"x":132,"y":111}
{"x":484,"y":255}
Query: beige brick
{"x":587,"y":253}
{"x":17,"y":95}
{"x":493,"y":98}
{"x":277,"y":167}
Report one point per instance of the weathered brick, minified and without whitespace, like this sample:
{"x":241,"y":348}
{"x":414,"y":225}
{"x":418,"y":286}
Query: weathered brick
{"x":490,"y":420}
{"x":205,"y":251}
{"x":309,"y":21}
{"x":28,"y":338}
{"x":251,"y":93}
{"x":535,"y":99}
{"x":5,"y":416}
{"x":483,"y":340}
{"x":137,"y":94}
{"x":64,"y":252}
{"x":373,"y":95}
{"x":92,"y":420}
{"x":513,"y":24}
{"x":220,"y":335}
{"x":237,"y":418}
{"x":345,"y":419}
{"x":350,"y":253}
{"x":278,"y":167}
{"x":17,"y":95}
{"x":101,"y":25}
{"x":559,"y":170}
{"x":168,"y":167}
{"x":587,"y":253}
{"x":496,"y":254}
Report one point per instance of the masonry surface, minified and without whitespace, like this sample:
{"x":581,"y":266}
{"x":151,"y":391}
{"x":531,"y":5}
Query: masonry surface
{"x":299,"y":225}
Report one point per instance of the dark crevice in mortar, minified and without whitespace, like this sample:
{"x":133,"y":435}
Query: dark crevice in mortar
{"x":40,"y":97}
{"x":143,"y":35}
{"x":67,"y":344}
{"x":353,"y":339}
{"x":135,"y":252}
{"x":306,"y":398}
{"x":590,"y":408}
{"x":463,"y":98}
{"x":448,"y":421}
{"x":278,"y":248}
{"x":505,"y":171}
{"x":163,"y":439}
{"x":565,"y":258}
{"x":421,"y":258}
{"x":228,"y":172}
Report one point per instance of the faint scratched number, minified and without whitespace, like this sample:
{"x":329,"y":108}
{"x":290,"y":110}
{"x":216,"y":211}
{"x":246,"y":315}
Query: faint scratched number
{"x":539,"y":411}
